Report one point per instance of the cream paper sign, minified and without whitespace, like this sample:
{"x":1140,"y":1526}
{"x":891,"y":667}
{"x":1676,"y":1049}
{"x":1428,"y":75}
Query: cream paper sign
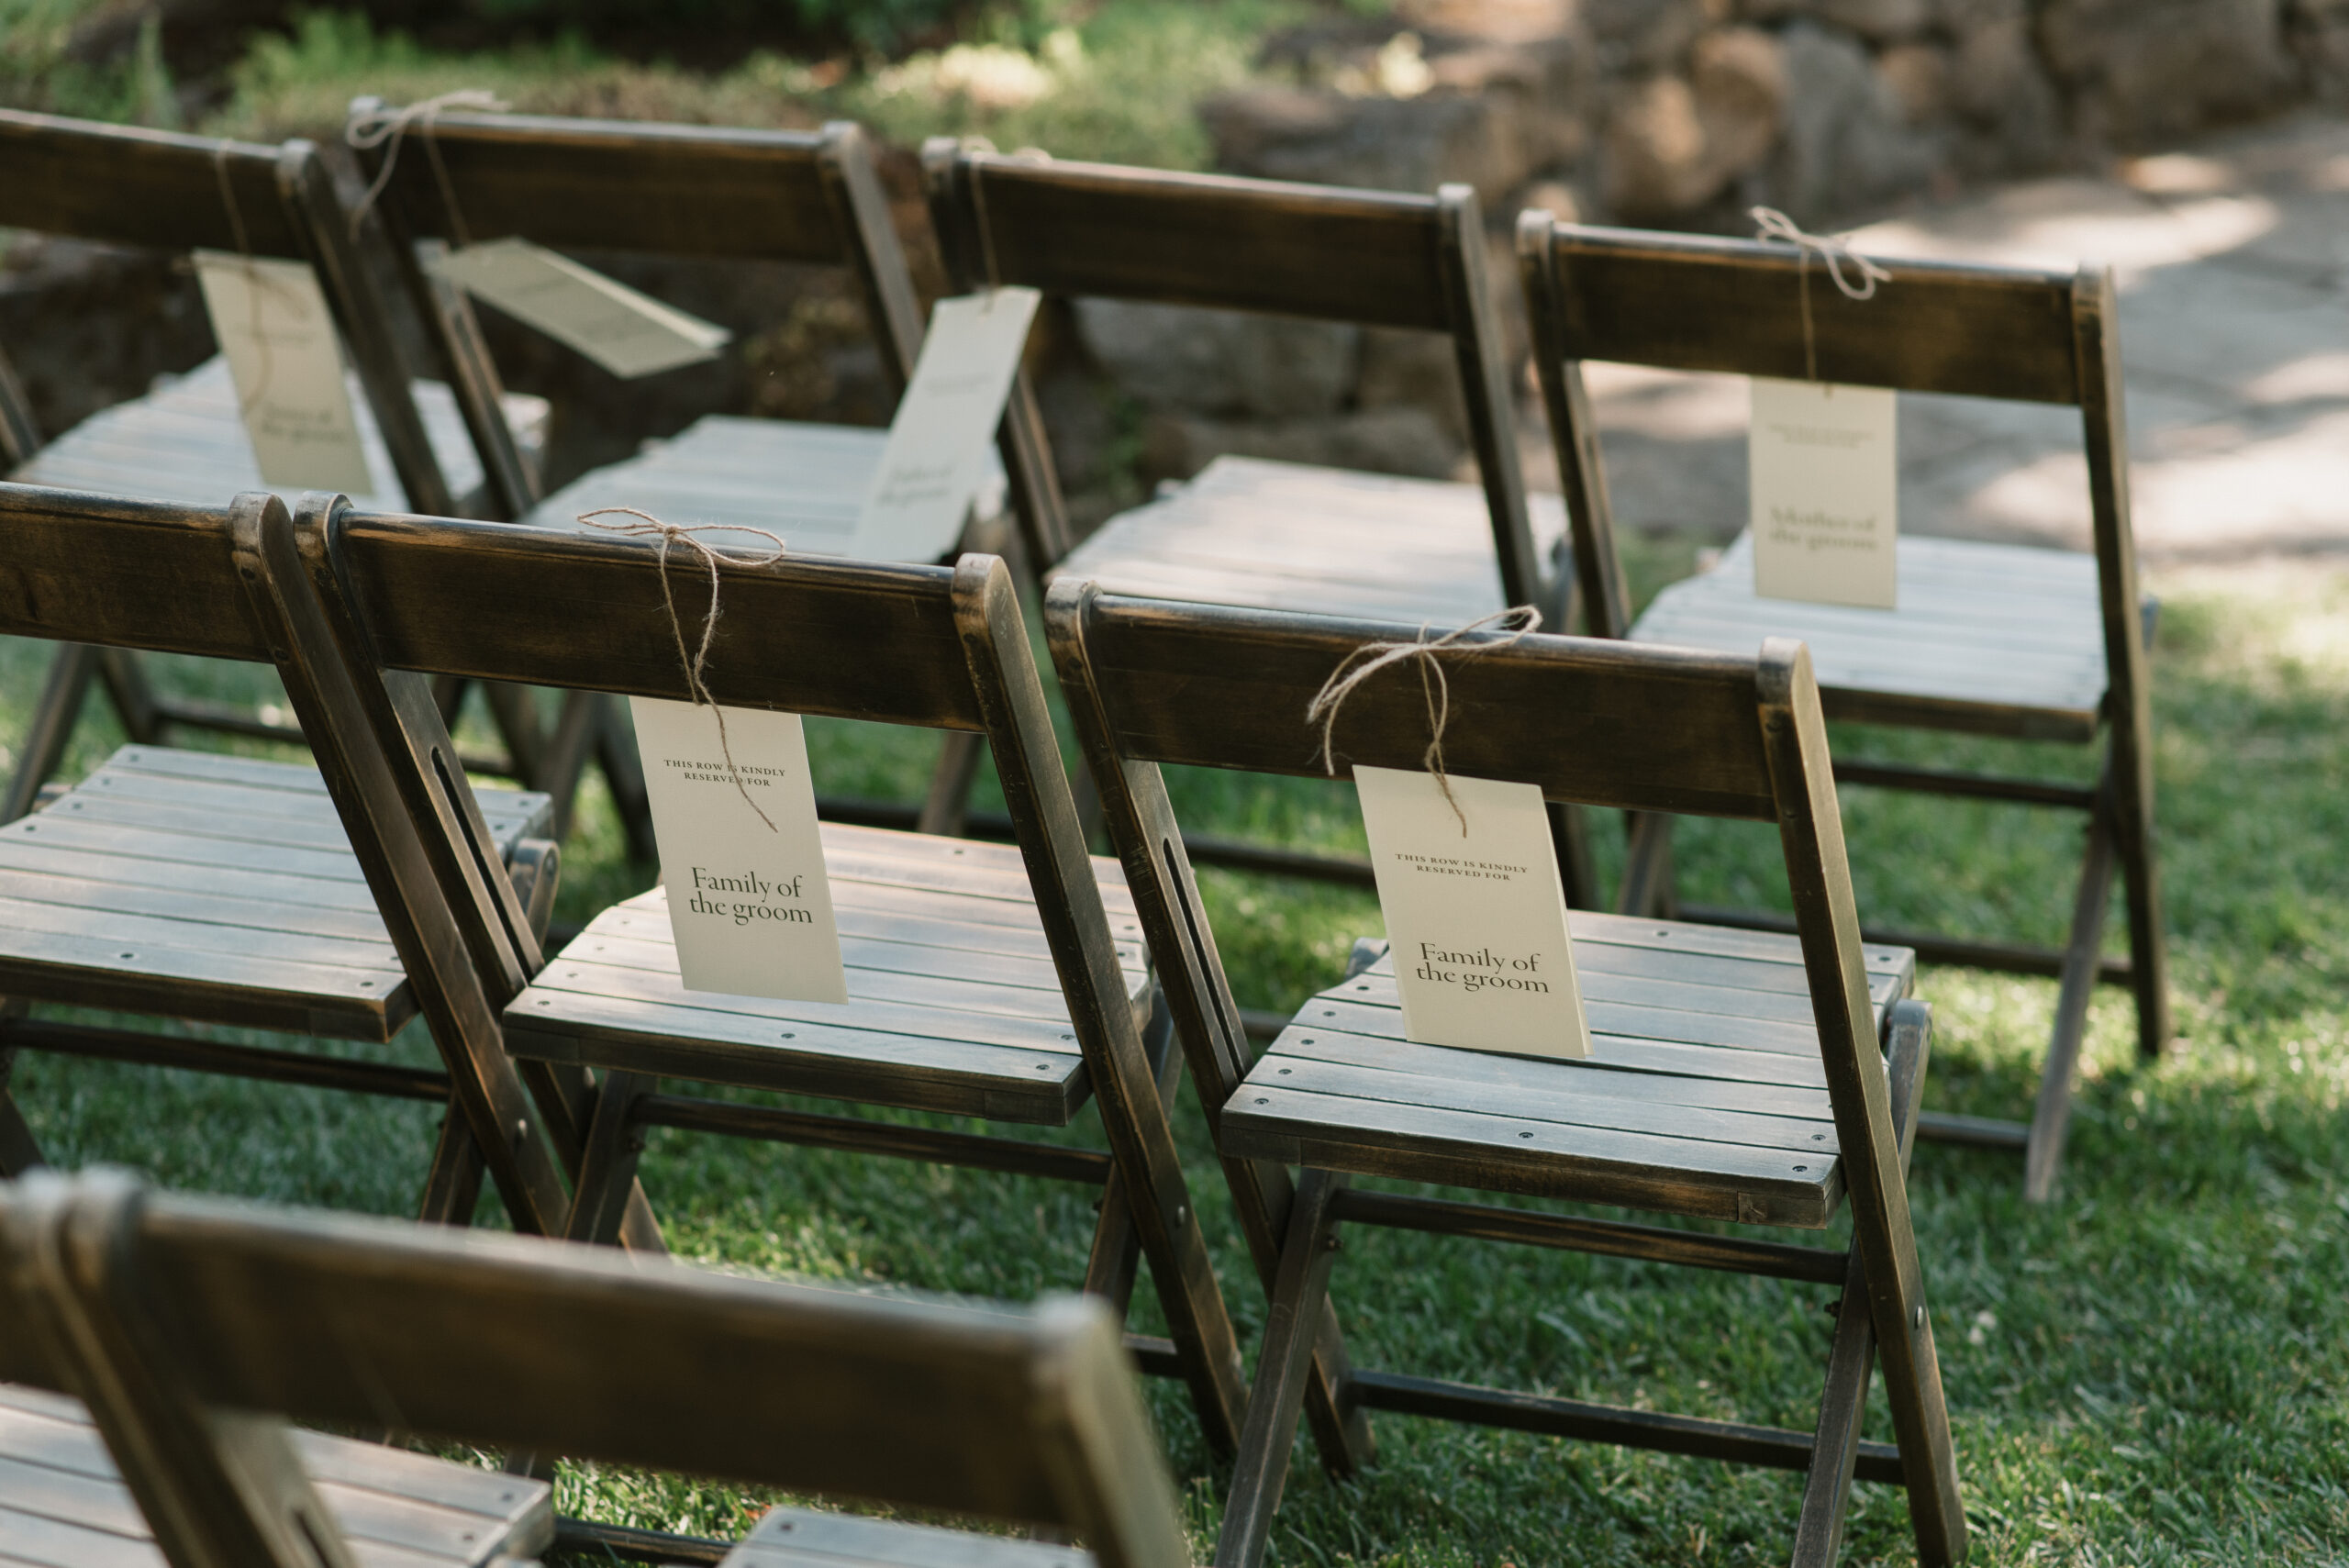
{"x":628,"y":333}
{"x":937,"y":452}
{"x":749,"y":903}
{"x":1476,"y":921}
{"x":1826,"y":492}
{"x":278,"y":337}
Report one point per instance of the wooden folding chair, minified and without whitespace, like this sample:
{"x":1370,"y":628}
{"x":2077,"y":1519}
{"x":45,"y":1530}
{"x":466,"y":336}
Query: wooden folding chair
{"x":224,"y":890}
{"x":982,"y":980}
{"x":682,"y":191}
{"x":1275,"y":536}
{"x":1998,"y":640}
{"x":185,"y":441}
{"x":194,"y":1330}
{"x":1736,"y":1075}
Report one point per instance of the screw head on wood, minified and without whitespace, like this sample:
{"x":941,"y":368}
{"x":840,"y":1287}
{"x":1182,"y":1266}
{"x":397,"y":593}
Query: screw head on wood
{"x":1917,"y":1317}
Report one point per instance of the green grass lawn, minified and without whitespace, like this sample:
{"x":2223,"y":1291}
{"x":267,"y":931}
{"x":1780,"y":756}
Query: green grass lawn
{"x":2154,"y":1369}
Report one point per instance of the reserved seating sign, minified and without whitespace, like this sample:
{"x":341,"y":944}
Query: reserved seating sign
{"x":627,"y":332}
{"x":741,"y":861}
{"x":936,"y":455}
{"x":1826,"y":492}
{"x":1475,"y":915}
{"x":274,"y":329}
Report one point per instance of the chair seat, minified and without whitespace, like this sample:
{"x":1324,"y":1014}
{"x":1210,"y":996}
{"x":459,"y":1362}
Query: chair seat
{"x":804,"y":483}
{"x":953,"y":1004}
{"x":801,"y":1538}
{"x":1996,"y":638}
{"x":210,"y":887}
{"x":1704,"y":1094}
{"x":183,"y":442}
{"x":63,"y":1505}
{"x":1284,"y":536}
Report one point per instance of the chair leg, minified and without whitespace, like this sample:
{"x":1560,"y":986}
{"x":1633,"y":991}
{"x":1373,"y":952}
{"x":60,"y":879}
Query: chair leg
{"x":452,"y":1187}
{"x":1912,"y":1376}
{"x":127,"y":688}
{"x":2043,"y":1152}
{"x":20,"y":1152}
{"x":947,"y":809}
{"x":1115,"y":1261}
{"x":624,"y":777}
{"x":515,"y":711}
{"x":1648,"y":888}
{"x":607,"y":1164}
{"x":1851,"y":1361}
{"x":52,"y":729}
{"x":1570,"y":833}
{"x":2148,"y":946}
{"x":1301,"y":1294}
{"x":563,"y":760}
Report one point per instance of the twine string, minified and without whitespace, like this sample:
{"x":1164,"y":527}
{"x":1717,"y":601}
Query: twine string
{"x":1371,"y":657}
{"x":1772,"y":224}
{"x":644,"y":525}
{"x":388,"y":131}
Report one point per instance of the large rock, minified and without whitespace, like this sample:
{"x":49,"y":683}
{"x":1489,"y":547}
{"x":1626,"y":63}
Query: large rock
{"x":1635,"y":37}
{"x":2144,"y":69}
{"x":1674,"y":143}
{"x":1413,"y":370}
{"x":2001,"y":93}
{"x":1221,"y":363}
{"x":1879,"y":21}
{"x":1847,"y":142}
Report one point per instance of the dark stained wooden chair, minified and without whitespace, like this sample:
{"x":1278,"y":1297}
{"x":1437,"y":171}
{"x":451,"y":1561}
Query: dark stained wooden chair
{"x":982,"y":980}
{"x":2039,"y":645}
{"x":225,"y":890}
{"x":710,"y":193}
{"x":1736,"y":1075}
{"x":194,"y":1330}
{"x":185,"y":442}
{"x":1270,"y":535}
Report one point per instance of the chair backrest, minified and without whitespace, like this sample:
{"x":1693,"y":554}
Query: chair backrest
{"x":1591,"y":721}
{"x":123,"y":185}
{"x":390,"y":601}
{"x":1689,"y":303}
{"x":1374,"y":257}
{"x":674,"y":189}
{"x":176,"y":1319}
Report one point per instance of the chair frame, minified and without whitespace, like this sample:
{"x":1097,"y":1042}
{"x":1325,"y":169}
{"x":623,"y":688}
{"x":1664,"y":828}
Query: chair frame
{"x":1153,"y":684}
{"x":111,"y":572}
{"x":812,"y":198}
{"x":389,"y":603}
{"x":1373,"y":258}
{"x":1691,"y":304}
{"x":195,"y":1330}
{"x":124,"y":186}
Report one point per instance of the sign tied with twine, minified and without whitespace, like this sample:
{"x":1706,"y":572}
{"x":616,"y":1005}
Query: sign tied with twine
{"x":1772,"y":224}
{"x":1371,"y":657}
{"x":644,"y":525}
{"x":389,"y":129}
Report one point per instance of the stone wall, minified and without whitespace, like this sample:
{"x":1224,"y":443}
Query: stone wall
{"x":1679,"y":114}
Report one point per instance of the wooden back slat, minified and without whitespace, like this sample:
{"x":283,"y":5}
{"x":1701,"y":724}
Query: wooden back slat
{"x":1025,"y":1415}
{"x":123,"y":185}
{"x":1210,"y":239}
{"x":1690,"y":303}
{"x":143,"y":574}
{"x":497,"y":602}
{"x":612,"y":185}
{"x":1590,"y":721}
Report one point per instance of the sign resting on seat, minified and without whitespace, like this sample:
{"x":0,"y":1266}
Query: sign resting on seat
{"x":1823,"y":466}
{"x":1476,"y":913}
{"x":742,"y":858}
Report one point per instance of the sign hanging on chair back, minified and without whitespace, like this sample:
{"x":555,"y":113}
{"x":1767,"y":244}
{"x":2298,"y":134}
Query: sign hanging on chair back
{"x":627,"y":332}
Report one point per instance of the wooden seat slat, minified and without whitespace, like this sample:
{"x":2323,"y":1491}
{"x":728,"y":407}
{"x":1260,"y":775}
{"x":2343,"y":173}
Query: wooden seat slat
{"x":198,"y":935}
{"x":42,"y":857}
{"x":239,"y":910}
{"x":185,"y":442}
{"x":893,"y":924}
{"x":1597,"y":927}
{"x":652,"y":951}
{"x":62,"y":1500}
{"x":1781,"y":1051}
{"x":1041,"y":1080}
{"x":801,"y":1538}
{"x":1459,"y":1148}
{"x":508,"y":812}
{"x":946,"y":1010}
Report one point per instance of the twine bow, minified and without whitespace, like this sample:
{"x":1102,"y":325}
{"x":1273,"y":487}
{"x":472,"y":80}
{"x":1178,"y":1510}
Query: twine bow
{"x":1371,"y":657}
{"x":1772,"y":224}
{"x":392,"y":128}
{"x":646,"y":526}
